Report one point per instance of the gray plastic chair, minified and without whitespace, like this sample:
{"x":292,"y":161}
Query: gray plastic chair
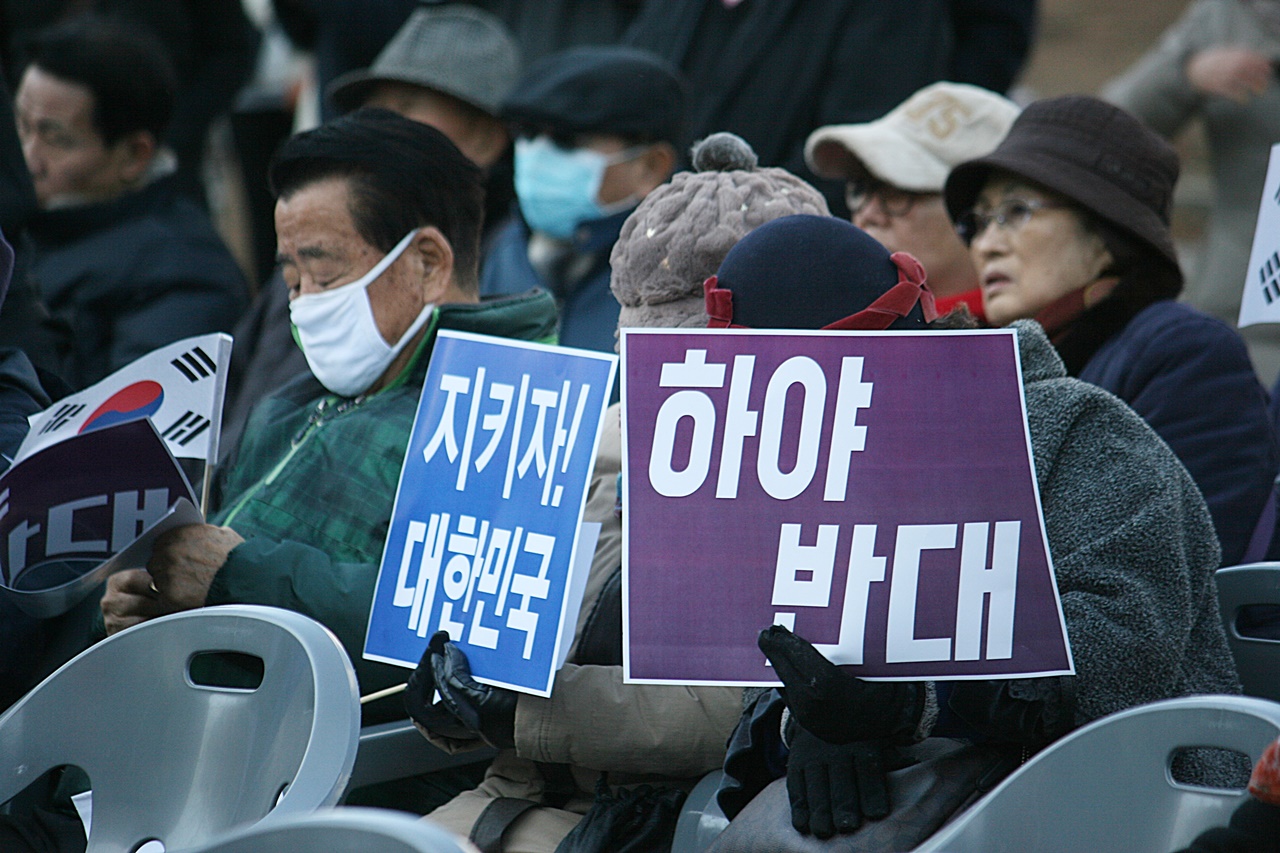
{"x":340,"y":830}
{"x":1257,"y":659}
{"x":176,"y":761}
{"x":1107,"y":786}
{"x":701,"y":821}
{"x":397,"y":750}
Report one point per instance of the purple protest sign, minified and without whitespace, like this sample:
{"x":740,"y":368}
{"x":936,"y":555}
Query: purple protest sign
{"x":873,"y":491}
{"x":67,"y":508}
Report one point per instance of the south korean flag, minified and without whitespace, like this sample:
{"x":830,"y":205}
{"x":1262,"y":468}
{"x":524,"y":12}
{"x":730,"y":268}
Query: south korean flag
{"x":1260,"y":302}
{"x":180,"y":386}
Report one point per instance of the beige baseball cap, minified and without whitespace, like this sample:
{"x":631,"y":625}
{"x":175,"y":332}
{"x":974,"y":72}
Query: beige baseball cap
{"x":915,"y":145}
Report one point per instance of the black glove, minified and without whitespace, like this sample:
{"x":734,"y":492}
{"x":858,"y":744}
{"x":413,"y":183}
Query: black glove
{"x":466,"y":708}
{"x":435,"y":718}
{"x":833,"y":787}
{"x":1032,"y":712}
{"x":834,"y":705}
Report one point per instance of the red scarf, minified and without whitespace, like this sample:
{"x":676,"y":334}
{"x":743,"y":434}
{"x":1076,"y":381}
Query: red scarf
{"x":1060,"y":314}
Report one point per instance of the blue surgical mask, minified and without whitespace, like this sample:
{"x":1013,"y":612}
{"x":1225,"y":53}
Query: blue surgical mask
{"x":558,"y":189}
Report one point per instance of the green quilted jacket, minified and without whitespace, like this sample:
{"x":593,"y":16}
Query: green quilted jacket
{"x":312,"y":484}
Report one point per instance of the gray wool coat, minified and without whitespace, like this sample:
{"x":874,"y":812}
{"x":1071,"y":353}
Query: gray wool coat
{"x":1133,"y":545}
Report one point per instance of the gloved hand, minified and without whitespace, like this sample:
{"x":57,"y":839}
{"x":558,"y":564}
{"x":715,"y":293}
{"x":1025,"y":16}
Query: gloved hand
{"x":466,"y":708}
{"x":834,"y":705}
{"x":833,"y":787}
{"x":434,"y":717}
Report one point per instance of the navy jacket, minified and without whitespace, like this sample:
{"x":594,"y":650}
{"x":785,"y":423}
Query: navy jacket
{"x":588,"y":309}
{"x":133,"y":274}
{"x":1190,"y":378}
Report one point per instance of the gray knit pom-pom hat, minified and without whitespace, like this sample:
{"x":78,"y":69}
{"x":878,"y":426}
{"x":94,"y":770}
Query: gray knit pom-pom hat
{"x":681,"y":232}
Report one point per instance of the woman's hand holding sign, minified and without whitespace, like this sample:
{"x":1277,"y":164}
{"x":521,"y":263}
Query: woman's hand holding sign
{"x":467,"y":708}
{"x":836,"y":769}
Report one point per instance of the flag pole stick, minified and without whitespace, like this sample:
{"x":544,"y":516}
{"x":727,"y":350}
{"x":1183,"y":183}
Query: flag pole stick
{"x":206,"y":487}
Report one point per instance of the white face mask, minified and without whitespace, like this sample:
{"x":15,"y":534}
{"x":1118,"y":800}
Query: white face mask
{"x":339,"y":336}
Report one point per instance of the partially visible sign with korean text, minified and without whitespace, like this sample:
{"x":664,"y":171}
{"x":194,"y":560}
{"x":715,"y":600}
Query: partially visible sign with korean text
{"x":68,"y":509}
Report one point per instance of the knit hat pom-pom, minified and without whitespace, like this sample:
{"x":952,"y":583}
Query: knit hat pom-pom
{"x":723,"y":152}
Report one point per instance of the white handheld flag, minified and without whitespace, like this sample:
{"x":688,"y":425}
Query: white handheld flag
{"x":179,"y":386}
{"x":1261,"y":300}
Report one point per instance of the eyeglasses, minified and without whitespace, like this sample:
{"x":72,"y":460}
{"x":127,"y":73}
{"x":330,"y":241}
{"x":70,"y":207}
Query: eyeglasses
{"x":893,"y":201}
{"x":1010,"y":214}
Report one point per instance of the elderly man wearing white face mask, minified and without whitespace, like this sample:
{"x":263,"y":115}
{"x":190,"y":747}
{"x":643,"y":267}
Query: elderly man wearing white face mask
{"x":377,"y":222}
{"x":593,"y":127}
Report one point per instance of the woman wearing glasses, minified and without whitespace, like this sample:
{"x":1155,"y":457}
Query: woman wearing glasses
{"x":1067,"y":222}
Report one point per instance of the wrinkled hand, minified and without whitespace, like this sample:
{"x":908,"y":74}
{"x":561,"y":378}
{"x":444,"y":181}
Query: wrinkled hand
{"x":130,"y":599}
{"x":1230,"y":72}
{"x":833,"y":787}
{"x":184,"y":561}
{"x":182,"y":565}
{"x":466,"y":708}
{"x":834,"y":705}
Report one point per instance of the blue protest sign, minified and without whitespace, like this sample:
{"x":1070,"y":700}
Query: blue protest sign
{"x":487,"y":514}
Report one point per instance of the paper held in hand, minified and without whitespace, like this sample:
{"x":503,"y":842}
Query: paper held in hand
{"x":486,"y":538}
{"x":79,"y":510}
{"x":97,"y":477}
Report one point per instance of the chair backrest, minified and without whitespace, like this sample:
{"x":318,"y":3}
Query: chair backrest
{"x":178,"y":761}
{"x":701,"y":818}
{"x":1108,"y":787}
{"x":347,"y":829}
{"x":1257,"y":659}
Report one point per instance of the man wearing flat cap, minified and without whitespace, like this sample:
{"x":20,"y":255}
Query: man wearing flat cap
{"x":594,"y":132}
{"x":449,"y":66}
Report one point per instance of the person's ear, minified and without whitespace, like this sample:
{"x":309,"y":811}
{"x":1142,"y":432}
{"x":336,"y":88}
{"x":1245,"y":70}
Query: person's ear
{"x":486,"y":141}
{"x":434,"y":258}
{"x":656,"y":165}
{"x":133,"y":154}
{"x":1103,"y":262}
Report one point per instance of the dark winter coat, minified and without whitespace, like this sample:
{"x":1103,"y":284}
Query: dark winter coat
{"x":132,"y":274}
{"x":588,"y":308}
{"x":1190,"y":378}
